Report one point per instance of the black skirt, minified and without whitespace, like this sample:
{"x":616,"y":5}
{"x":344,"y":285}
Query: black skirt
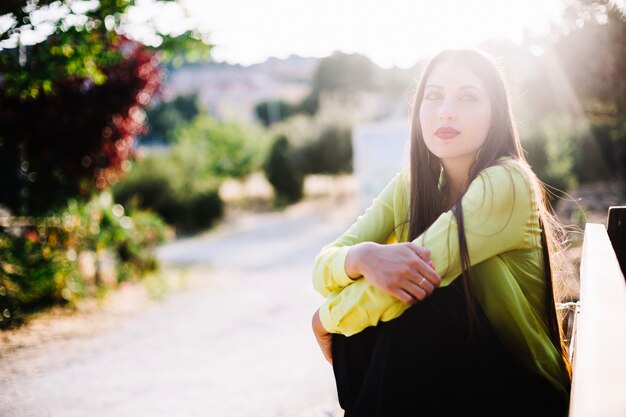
{"x":425,"y":363}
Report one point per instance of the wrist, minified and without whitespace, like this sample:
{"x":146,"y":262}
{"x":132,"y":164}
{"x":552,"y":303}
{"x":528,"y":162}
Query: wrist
{"x":355,"y":259}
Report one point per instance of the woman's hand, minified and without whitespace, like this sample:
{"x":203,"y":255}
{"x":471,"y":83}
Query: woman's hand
{"x":402,"y":270}
{"x":324,"y":338}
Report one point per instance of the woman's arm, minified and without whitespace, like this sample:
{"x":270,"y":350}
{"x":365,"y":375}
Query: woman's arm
{"x":323,"y":337}
{"x":498,"y":211}
{"x":402,"y":270}
{"x":375,"y":225}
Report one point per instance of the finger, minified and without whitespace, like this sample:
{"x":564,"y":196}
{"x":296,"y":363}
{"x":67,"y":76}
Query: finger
{"x":405,"y":296}
{"x":423,"y":270}
{"x":415,"y":292}
{"x":425,"y":284}
{"x":427,"y":266}
{"x":422,"y":252}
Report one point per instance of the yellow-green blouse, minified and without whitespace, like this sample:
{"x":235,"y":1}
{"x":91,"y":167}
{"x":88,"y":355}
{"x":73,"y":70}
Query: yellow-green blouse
{"x":504,"y":242}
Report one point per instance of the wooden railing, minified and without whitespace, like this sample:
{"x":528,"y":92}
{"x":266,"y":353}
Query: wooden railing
{"x":599,"y":350}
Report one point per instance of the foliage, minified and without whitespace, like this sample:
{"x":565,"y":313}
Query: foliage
{"x":177,"y":191}
{"x":282,"y":172}
{"x":593,"y":50}
{"x":321,"y":144}
{"x":77,"y":140}
{"x":78,"y":44}
{"x":131,"y":235}
{"x":42,"y":262}
{"x":601,"y":152}
{"x":166,"y":117}
{"x":272,"y":111}
{"x":329,"y":153}
{"x":33,"y":273}
{"x":342,"y":74}
{"x":572,"y":97}
{"x":190,"y":47}
{"x":219,"y":149}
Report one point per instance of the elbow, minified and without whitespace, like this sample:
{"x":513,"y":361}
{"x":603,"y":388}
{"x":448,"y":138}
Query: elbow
{"x":319,"y":286}
{"x":319,"y":278}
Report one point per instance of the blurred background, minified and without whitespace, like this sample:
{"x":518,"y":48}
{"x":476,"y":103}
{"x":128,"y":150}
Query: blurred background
{"x":202,"y":152}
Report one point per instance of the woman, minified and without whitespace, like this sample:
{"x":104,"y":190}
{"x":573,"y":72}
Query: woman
{"x":475,"y":331}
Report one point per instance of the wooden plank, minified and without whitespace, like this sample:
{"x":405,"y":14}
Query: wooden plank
{"x":616,"y":228}
{"x":599,"y":379}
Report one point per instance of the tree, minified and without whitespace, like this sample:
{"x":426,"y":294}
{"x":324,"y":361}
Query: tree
{"x":282,"y":172}
{"x":593,"y":50}
{"x":73,"y":103}
{"x":75,"y":141}
{"x":219,"y":150}
{"x":269,"y":112}
{"x":81,"y":39}
{"x":342,"y":74}
{"x":168,"y":116}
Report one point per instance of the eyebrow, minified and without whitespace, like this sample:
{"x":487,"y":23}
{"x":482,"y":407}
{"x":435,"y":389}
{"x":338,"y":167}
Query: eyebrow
{"x":463,"y":87}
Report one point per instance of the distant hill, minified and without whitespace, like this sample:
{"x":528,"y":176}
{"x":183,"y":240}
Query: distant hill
{"x":231,"y":91}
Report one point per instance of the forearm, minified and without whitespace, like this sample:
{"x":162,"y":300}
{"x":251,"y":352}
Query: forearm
{"x":375,"y":225}
{"x":356,"y":258}
{"x":360,"y":305}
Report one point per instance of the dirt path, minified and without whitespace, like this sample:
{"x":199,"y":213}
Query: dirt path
{"x":233,"y":339}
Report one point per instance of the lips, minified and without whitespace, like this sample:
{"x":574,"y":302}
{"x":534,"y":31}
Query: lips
{"x":446,"y":133}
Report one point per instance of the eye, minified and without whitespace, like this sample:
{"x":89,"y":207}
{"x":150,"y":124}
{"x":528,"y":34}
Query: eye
{"x":433,"y":95}
{"x":468,"y":97}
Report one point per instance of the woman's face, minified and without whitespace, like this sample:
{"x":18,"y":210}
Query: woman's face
{"x":455,"y":113}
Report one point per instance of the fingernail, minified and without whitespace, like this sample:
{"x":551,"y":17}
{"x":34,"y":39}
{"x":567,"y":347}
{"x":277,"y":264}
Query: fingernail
{"x":431,"y":264}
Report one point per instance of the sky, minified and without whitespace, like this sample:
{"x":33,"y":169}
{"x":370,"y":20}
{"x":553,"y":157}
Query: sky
{"x":390,"y":32}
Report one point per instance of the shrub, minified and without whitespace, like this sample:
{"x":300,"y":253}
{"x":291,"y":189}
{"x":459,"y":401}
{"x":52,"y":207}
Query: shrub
{"x":219,"y":149}
{"x":329,"y":153}
{"x":602,"y":152}
{"x":34,"y":273}
{"x":40,"y":258}
{"x":269,"y":112}
{"x":322,"y":145}
{"x":176,"y":191}
{"x":282,"y":172}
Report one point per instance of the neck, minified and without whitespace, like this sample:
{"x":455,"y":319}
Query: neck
{"x":456,"y":172}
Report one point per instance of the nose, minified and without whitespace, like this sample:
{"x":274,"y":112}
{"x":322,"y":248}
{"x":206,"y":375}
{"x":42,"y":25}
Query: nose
{"x":447,"y":115}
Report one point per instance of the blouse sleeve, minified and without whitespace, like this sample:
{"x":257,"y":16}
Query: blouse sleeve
{"x":497,"y":212}
{"x":374,"y":225}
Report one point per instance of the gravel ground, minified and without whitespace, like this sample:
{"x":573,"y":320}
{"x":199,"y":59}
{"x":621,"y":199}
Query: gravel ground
{"x":232,"y":338}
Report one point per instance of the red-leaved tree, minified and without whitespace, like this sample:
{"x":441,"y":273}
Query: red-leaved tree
{"x":79,"y":138}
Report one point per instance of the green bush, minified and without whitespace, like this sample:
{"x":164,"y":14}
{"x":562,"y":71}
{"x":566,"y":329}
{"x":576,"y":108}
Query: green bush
{"x":40,"y":257}
{"x":219,"y":150}
{"x":272,"y":111}
{"x":551,"y":151}
{"x":329,"y":153}
{"x":602,"y":152}
{"x":564,"y":153}
{"x":281,"y":171}
{"x":34,"y":273}
{"x":179,"y":192}
{"x":130,"y":235}
{"x":323,"y":144}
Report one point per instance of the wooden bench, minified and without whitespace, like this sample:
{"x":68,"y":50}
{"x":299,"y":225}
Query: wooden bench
{"x":598,"y":343}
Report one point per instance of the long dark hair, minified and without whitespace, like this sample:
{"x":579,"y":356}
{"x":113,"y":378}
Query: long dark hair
{"x":428,"y":201}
